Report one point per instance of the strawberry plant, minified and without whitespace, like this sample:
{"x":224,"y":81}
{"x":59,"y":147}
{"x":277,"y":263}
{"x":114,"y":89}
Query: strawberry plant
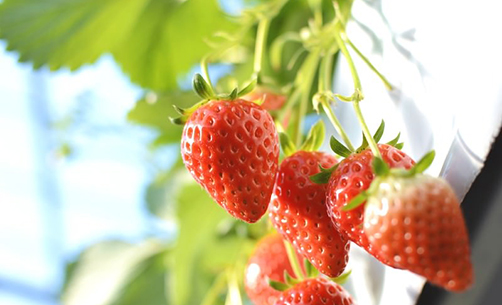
{"x":274,"y":213}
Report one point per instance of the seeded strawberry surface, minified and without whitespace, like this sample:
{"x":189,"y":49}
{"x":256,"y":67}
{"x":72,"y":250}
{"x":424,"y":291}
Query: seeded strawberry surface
{"x":231,"y":148}
{"x":353,"y":175}
{"x":298,"y":212}
{"x":315,"y":291}
{"x":417,"y":224}
{"x":269,"y":261}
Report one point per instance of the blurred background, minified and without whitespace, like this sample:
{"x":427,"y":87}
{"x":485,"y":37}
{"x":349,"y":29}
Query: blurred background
{"x":96,"y":206}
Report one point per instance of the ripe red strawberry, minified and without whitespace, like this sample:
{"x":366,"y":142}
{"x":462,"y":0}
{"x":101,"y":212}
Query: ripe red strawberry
{"x":353,"y":175}
{"x":231,"y":148}
{"x":269,"y":261}
{"x":417,"y":223}
{"x":315,"y":291}
{"x":298,"y":212}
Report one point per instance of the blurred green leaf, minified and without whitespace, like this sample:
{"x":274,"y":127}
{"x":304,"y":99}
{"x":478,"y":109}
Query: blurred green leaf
{"x":66,"y":33}
{"x":169,"y":40}
{"x":199,"y":252}
{"x":153,"y":40}
{"x":148,"y":284}
{"x":103,"y":271}
{"x":154,"y":110}
{"x":159,"y":193}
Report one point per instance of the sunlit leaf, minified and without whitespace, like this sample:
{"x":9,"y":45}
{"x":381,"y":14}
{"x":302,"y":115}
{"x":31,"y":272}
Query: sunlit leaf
{"x":103,"y":270}
{"x":152,"y":40}
{"x":154,"y":111}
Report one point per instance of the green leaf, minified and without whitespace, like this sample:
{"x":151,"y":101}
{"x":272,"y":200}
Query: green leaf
{"x":315,"y":137}
{"x":380,"y":168}
{"x":115,"y":265}
{"x":363,"y":146}
{"x":356,"y":201}
{"x":159,"y":193}
{"x":152,"y":40}
{"x":60,"y":33}
{"x":288,"y":147}
{"x":278,"y":285}
{"x":310,"y":270}
{"x":200,"y":254}
{"x":379,"y":133}
{"x":147,"y":285}
{"x":399,"y":145}
{"x":154,"y":110}
{"x":339,"y":148}
{"x":248,"y":88}
{"x":424,"y":163}
{"x":324,"y":175}
{"x":289,"y":279}
{"x":394,"y":141}
{"x":202,"y":88}
{"x":342,"y":279}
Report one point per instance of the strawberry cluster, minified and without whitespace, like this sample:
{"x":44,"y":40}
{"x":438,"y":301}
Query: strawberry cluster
{"x":383,"y":204}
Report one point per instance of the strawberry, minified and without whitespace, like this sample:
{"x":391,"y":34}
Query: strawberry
{"x":353,"y":175}
{"x":315,"y":291}
{"x":416,"y":222}
{"x":269,"y":261}
{"x":231,"y":148}
{"x":298,"y":212}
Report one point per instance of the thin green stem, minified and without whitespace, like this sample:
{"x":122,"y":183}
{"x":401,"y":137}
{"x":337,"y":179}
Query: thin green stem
{"x":306,"y":81}
{"x":261,"y":39}
{"x":234,"y":292}
{"x":217,"y":287}
{"x":205,"y":72}
{"x":324,"y":87}
{"x":338,"y":127}
{"x":293,"y":260}
{"x":366,"y":60}
{"x":358,"y":95}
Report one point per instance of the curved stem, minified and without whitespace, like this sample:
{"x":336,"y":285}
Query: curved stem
{"x":205,"y":72}
{"x":293,"y":260}
{"x":358,"y":95}
{"x":367,"y":61}
{"x":307,"y":80}
{"x":338,"y":127}
{"x":325,"y":85}
{"x":261,"y":39}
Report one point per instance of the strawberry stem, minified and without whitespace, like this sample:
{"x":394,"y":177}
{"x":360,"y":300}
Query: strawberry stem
{"x":325,"y":87}
{"x":261,"y":39}
{"x":205,"y":72}
{"x":215,"y":290}
{"x":234,"y":292}
{"x":293,"y":260}
{"x":367,"y":61}
{"x":358,"y":95}
{"x":305,"y":80}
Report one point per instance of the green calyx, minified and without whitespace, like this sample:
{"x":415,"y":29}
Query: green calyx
{"x":383,"y":171}
{"x":310,"y":272}
{"x":313,"y":142}
{"x":325,"y":174}
{"x":204,"y":89}
{"x":341,"y":150}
